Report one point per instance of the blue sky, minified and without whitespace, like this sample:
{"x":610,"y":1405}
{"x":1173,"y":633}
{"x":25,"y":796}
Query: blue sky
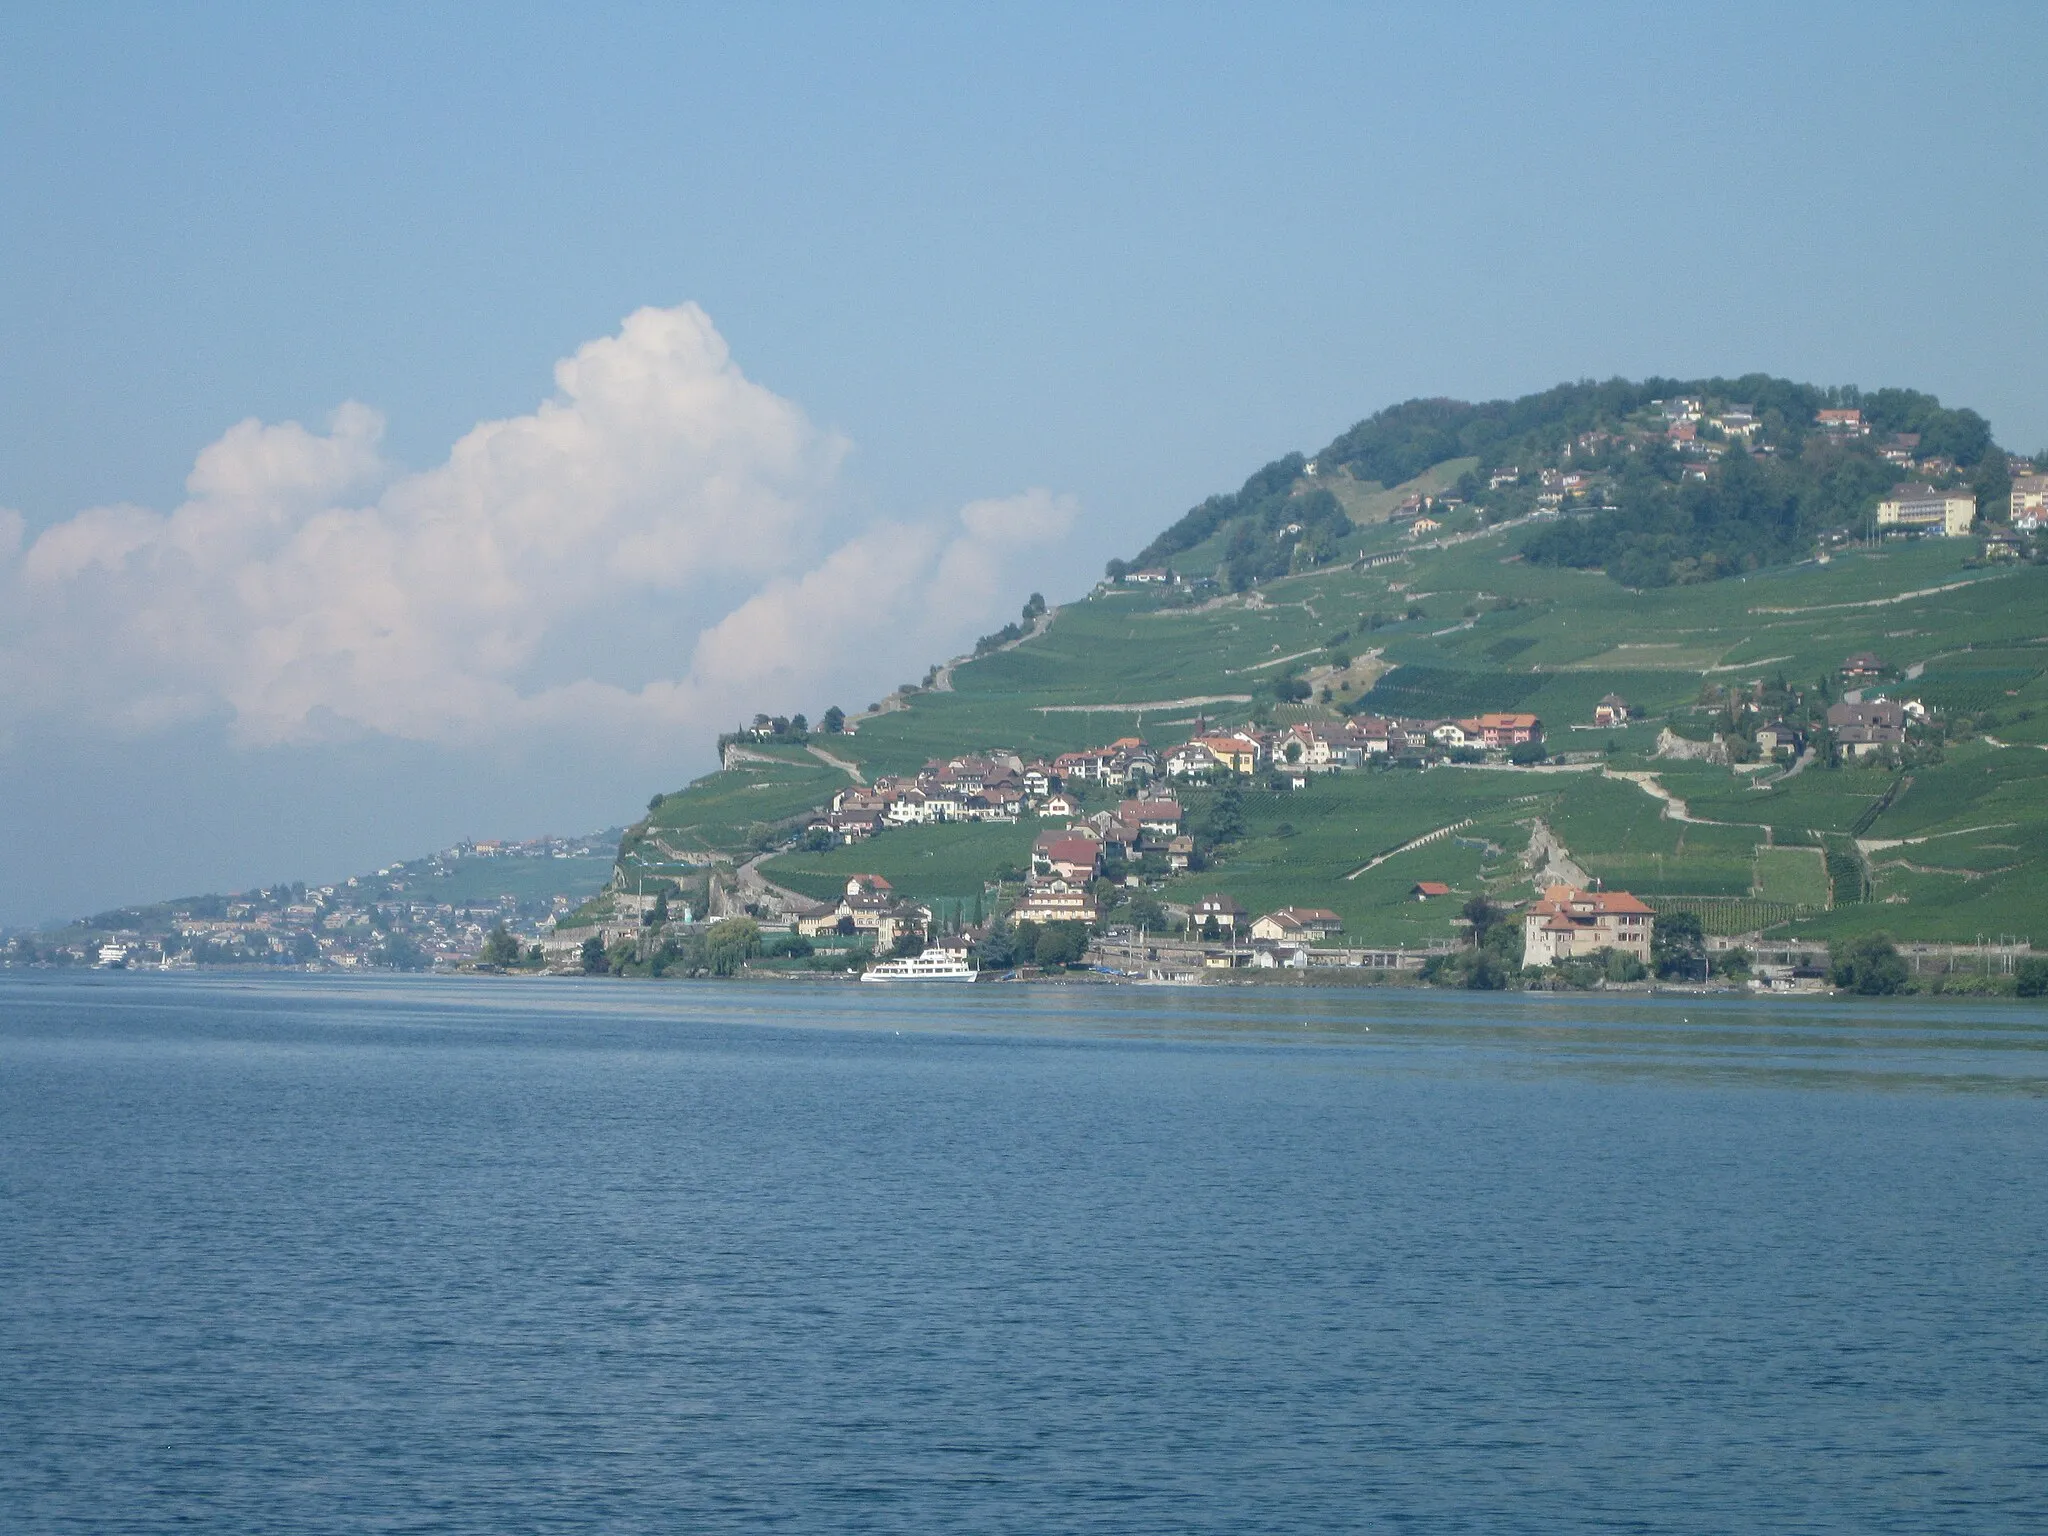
{"x":1116,"y":260}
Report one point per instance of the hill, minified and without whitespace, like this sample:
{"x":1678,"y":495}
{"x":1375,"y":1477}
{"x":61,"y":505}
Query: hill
{"x":1706,"y":550}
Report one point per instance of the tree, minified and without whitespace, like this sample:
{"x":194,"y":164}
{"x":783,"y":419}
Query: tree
{"x":500,"y":948}
{"x":799,"y":726}
{"x":1870,"y":966}
{"x":1034,"y":606}
{"x":1482,"y":915}
{"x":998,"y":948}
{"x":1060,"y":943}
{"x":1523,"y":753}
{"x":2032,"y":979}
{"x":399,"y":953}
{"x":1678,"y":946}
{"x":730,"y":944}
{"x":1116,"y":570}
{"x":593,"y":957}
{"x":1226,"y":816}
{"x":1211,"y":929}
{"x":658,"y":915}
{"x":834,"y":720}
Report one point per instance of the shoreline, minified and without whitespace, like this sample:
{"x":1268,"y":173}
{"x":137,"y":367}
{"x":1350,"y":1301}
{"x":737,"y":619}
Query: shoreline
{"x":1309,"y":981}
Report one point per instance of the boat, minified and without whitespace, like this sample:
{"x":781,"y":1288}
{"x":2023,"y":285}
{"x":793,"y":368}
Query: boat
{"x":932,"y":965}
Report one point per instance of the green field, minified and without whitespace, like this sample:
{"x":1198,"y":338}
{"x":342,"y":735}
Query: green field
{"x":1795,"y":875}
{"x":924,"y":863}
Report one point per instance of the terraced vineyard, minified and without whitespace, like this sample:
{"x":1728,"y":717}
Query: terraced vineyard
{"x":1461,"y":622}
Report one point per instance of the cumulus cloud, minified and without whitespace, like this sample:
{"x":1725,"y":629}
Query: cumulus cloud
{"x":308,"y":589}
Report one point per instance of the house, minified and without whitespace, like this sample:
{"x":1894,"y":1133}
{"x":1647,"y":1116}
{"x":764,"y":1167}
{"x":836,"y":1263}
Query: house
{"x":1226,"y":913}
{"x":1842,"y":423}
{"x":907,"y":808}
{"x":1037,"y":778}
{"x":1371,"y":734}
{"x":869,"y":909}
{"x":1069,"y":855}
{"x":2004,"y":545}
{"x":1567,"y":922}
{"x":1193,"y":761}
{"x":1322,"y":746}
{"x":1453,"y":733}
{"x":1160,"y":816}
{"x":1863,"y":664}
{"x":2029,"y":500}
{"x":1779,"y":737}
{"x":1180,"y":852}
{"x":1423,"y":525}
{"x":848,"y":826}
{"x":1682,"y":432}
{"x":1267,"y":955}
{"x":1276,"y":926}
{"x":1152,"y":576}
{"x":1298,"y":924}
{"x":1507,"y":474}
{"x":1057,"y":901}
{"x":1922,"y":507}
{"x":1074,"y":767}
{"x":1423,"y":890}
{"x":1239,"y":753}
{"x":1611,"y":710}
{"x":1507,"y":730}
{"x":1737,"y":421}
{"x":1862,"y":729}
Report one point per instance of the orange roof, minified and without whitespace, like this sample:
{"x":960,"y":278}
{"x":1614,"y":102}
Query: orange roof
{"x":1559,"y":899}
{"x":1513,"y":722}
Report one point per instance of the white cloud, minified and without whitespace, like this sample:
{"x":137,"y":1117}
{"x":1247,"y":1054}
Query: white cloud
{"x":306,"y":589}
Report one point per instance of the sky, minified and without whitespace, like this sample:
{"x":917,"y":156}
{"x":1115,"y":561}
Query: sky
{"x":440,"y":421}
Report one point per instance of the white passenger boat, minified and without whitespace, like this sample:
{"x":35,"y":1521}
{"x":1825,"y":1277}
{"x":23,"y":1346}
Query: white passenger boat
{"x":932,"y":965}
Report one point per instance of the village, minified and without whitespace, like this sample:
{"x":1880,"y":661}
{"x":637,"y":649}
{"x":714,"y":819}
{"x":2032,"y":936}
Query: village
{"x":440,"y":911}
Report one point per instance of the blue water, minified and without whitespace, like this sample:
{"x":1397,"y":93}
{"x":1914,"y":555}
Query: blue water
{"x":502,"y":1256}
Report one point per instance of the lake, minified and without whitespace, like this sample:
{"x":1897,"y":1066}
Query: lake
{"x":319,"y":1254}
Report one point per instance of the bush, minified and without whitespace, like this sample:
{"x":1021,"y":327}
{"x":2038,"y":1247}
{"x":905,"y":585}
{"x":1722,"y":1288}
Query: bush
{"x":2032,"y":979}
{"x":1870,"y":966}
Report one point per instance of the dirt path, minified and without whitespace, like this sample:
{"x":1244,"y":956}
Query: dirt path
{"x":757,"y":887}
{"x":942,"y":678}
{"x":1882,"y":602}
{"x":1408,"y":847}
{"x":1133,"y":709}
{"x":1550,"y":862}
{"x":851,"y":770}
{"x":1260,"y":666}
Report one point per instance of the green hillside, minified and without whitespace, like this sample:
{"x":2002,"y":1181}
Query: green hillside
{"x":1299,"y":600}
